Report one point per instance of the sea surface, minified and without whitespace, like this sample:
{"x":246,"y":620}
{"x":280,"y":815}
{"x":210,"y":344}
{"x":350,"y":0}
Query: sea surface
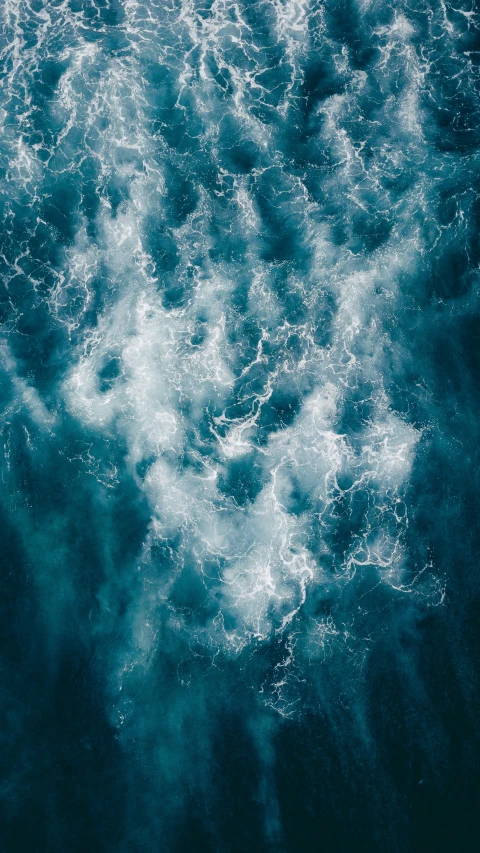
{"x":239,"y":426}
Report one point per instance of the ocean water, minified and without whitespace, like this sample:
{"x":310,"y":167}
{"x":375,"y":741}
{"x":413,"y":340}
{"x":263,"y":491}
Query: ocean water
{"x":240,"y":430}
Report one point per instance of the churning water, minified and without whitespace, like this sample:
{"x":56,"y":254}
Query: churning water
{"x":240,"y":384}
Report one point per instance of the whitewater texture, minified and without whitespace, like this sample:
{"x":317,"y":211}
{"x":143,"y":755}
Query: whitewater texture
{"x":239,"y":396}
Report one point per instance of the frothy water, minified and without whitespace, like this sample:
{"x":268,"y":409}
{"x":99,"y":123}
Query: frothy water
{"x":237,"y":240}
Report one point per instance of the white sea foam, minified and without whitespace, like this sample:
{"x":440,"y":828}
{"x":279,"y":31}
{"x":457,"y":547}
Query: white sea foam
{"x":186,"y":382}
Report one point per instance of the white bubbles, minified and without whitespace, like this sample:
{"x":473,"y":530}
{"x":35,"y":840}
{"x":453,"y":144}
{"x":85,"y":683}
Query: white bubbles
{"x":228,"y":299}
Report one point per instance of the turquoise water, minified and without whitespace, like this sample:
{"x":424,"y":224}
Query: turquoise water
{"x":240,"y":383}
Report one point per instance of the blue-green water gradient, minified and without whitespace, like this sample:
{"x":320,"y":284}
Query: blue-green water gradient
{"x":239,"y":414}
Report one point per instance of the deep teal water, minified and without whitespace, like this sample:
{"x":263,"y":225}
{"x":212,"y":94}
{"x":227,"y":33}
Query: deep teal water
{"x":240,"y":391}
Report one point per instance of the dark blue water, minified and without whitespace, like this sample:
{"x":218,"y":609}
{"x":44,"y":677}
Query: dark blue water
{"x":240,"y":431}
